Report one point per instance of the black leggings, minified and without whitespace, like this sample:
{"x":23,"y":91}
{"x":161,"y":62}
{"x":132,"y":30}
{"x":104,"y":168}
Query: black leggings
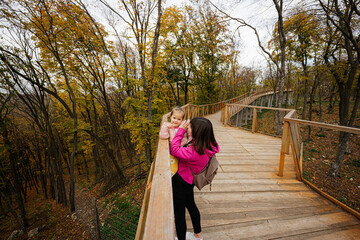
{"x":183,"y":196}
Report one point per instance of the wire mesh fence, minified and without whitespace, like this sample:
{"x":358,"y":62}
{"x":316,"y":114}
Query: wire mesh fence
{"x":113,"y":218}
{"x":320,"y":151}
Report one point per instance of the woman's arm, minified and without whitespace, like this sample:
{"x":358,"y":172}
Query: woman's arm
{"x":183,"y":153}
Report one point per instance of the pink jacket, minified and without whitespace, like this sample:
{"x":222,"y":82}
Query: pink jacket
{"x":169,"y":133}
{"x":188,"y":156}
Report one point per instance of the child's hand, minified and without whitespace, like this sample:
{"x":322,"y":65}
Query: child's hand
{"x":169,"y":125}
{"x":185,"y":124}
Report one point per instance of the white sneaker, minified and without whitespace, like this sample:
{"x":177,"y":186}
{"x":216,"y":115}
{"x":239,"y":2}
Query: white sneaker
{"x":191,"y":236}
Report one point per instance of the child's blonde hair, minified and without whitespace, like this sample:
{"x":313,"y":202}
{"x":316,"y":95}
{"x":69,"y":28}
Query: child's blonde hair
{"x":177,"y":109}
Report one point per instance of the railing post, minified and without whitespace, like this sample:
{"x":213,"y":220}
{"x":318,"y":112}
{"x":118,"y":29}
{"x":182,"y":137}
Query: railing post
{"x":225,"y":115}
{"x":270,"y":101}
{"x":301,"y":160}
{"x":222,"y":116}
{"x":284,"y":142}
{"x":228,"y":116}
{"x":237,"y":119}
{"x":287,"y":149}
{"x":246,"y":115}
{"x":254,"y":121}
{"x":241,"y":116}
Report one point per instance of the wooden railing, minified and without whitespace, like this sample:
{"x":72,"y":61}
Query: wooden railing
{"x":291,"y":137}
{"x":231,"y":109}
{"x":192,"y":110}
{"x":157,"y":214}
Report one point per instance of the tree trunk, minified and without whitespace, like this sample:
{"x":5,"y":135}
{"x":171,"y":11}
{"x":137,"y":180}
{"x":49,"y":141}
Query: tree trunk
{"x":57,"y":185}
{"x":344,"y":106}
{"x":305,"y":97}
{"x":186,"y":92}
{"x":331,"y":102}
{"x":343,"y":142}
{"x":99,"y":167}
{"x":177,"y":96}
{"x":42,"y":175}
{"x":320,"y":105}
{"x":50,"y":175}
{"x":72,"y":175}
{"x":297,"y":95}
{"x":312,"y":98}
{"x":86,"y":168}
{"x":282,"y":40}
{"x":150,"y":86}
{"x":12,"y":210}
{"x":111,"y":155}
{"x":15,"y":175}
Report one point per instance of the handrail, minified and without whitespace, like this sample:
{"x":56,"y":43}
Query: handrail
{"x":157,"y":221}
{"x":324,"y":125}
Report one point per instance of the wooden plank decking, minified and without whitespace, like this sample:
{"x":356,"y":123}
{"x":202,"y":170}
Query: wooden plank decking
{"x":249,"y":201}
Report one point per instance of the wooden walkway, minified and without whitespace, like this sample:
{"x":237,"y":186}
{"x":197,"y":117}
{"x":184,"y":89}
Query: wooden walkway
{"x":249,"y":201}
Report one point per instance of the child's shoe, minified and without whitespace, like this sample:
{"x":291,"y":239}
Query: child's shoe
{"x":191,"y":236}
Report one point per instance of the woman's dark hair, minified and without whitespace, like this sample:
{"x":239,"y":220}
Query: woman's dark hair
{"x":203,"y":135}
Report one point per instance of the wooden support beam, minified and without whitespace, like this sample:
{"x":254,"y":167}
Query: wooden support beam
{"x":237,"y":119}
{"x":285,"y":139}
{"x":228,"y":116}
{"x":246,"y":115}
{"x":225,"y":115}
{"x":254,"y":122}
{"x":241,"y":117}
{"x":301,"y":159}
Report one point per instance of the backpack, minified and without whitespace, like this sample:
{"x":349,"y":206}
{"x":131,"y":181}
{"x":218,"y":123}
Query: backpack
{"x":205,"y":176}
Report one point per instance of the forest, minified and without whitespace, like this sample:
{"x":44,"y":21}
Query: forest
{"x":82,"y":91}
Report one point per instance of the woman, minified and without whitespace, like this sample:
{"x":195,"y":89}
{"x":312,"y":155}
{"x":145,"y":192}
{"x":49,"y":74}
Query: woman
{"x":196,"y":155}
